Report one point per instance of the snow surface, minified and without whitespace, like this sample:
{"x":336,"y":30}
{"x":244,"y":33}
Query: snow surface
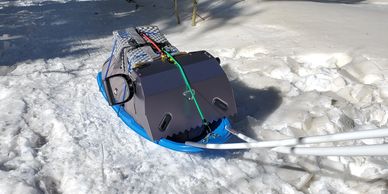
{"x":297,"y":68}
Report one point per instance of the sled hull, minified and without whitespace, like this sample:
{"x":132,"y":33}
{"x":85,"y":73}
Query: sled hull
{"x":221,"y":134}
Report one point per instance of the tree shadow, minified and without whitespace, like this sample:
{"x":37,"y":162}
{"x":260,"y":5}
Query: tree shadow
{"x":50,"y":29}
{"x":222,"y":14}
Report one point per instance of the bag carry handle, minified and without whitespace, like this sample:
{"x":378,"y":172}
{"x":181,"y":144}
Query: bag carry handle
{"x":108,"y":87}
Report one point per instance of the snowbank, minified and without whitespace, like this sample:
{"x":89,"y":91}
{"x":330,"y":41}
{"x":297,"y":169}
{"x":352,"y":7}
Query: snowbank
{"x":297,"y":68}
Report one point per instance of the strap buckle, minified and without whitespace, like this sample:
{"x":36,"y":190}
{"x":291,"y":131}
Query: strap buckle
{"x":188,"y":94}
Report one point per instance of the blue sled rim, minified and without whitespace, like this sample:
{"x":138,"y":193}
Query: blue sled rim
{"x":221,"y":134}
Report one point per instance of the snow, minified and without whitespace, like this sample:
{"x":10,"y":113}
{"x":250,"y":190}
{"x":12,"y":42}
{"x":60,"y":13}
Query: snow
{"x":297,"y":68}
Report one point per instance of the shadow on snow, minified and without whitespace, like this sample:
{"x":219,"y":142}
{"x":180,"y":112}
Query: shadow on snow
{"x":50,"y":30}
{"x":250,"y":102}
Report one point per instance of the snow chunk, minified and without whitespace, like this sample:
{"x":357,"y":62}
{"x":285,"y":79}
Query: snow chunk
{"x":13,"y":186}
{"x":368,"y":168}
{"x":317,"y":60}
{"x":250,"y":52}
{"x":4,"y":93}
{"x":364,"y":70}
{"x":297,"y":178}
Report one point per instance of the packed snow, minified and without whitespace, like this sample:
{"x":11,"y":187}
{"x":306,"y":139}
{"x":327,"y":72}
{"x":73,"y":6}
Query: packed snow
{"x":297,"y":68}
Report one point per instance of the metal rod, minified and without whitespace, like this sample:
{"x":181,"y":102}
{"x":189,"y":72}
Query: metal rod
{"x":240,"y":135}
{"x":366,"y":134}
{"x":363,"y":150}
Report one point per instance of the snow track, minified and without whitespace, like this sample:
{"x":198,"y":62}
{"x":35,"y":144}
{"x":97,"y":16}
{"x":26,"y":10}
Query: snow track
{"x":297,"y":68}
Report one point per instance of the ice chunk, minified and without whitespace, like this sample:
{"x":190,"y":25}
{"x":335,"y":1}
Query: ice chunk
{"x":364,"y":70}
{"x":294,"y":176}
{"x":320,"y":125}
{"x":250,"y":52}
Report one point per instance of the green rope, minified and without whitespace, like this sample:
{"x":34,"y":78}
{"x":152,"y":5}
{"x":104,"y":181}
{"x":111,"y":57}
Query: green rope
{"x":187,"y":84}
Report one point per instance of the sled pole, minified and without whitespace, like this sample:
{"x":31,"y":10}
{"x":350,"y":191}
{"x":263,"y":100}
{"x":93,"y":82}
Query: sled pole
{"x":364,"y":150}
{"x":366,"y":134}
{"x":240,"y":135}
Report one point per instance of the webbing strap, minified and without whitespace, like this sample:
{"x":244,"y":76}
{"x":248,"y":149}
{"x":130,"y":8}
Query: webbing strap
{"x":110,"y":59}
{"x":187,"y":84}
{"x":183,"y":74}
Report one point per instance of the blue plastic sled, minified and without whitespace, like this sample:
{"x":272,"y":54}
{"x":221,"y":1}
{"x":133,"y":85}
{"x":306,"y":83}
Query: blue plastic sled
{"x":221,"y":134}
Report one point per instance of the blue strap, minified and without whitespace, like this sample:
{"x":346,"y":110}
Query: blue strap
{"x":125,"y":91}
{"x":110,"y":59}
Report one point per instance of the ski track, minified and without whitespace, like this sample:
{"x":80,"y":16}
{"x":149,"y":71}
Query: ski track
{"x":58,"y":135}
